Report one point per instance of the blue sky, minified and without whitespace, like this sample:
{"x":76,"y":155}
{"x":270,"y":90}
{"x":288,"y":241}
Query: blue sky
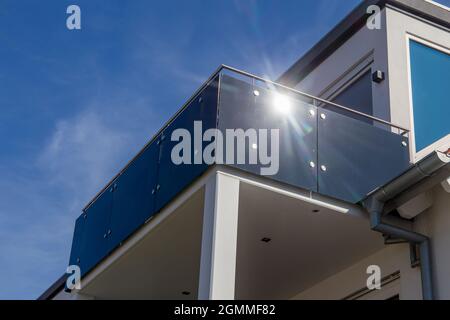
{"x":76,"y":105}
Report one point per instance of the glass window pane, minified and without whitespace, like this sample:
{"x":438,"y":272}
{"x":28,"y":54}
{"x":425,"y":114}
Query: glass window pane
{"x":357,"y":96}
{"x":430,"y":82}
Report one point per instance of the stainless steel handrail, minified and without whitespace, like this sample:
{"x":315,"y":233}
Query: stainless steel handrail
{"x":204,"y":85}
{"x":316,"y":98}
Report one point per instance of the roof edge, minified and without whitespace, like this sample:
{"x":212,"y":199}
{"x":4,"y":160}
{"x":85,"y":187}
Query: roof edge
{"x":351,"y":24}
{"x":54,"y":289}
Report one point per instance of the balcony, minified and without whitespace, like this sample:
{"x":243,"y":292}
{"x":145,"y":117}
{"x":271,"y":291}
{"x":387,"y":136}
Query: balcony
{"x":323,"y":148}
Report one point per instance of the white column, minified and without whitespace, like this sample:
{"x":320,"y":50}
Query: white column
{"x":219,"y":238}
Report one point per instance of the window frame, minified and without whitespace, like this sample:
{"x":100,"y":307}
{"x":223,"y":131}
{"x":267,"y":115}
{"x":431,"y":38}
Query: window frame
{"x":353,"y":74}
{"x":417,"y":155}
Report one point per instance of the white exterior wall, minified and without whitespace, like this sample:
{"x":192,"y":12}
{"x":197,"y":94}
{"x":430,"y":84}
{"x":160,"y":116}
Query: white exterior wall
{"x":400,"y":26}
{"x":435,"y":222}
{"x":391,"y":259}
{"x":364,"y":43}
{"x":391,"y":101}
{"x":219,"y":239}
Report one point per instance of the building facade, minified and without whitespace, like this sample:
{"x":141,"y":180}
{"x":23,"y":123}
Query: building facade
{"x":360,"y":184}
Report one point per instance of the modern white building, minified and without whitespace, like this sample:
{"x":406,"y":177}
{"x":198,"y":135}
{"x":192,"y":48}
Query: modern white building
{"x":363,"y":179}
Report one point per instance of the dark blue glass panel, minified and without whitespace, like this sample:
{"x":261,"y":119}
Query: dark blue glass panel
{"x":94,"y":245}
{"x":268,"y":109}
{"x":133,"y":200}
{"x":358,"y":157}
{"x":77,"y":242}
{"x":430,"y":78}
{"x":173,"y":178}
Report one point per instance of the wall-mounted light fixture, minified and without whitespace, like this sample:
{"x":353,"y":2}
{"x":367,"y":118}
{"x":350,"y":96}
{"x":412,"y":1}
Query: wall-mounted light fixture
{"x":378,"y":76}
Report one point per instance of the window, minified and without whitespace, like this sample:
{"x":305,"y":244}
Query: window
{"x":430,"y":87}
{"x":352,"y":89}
{"x":357,"y":96}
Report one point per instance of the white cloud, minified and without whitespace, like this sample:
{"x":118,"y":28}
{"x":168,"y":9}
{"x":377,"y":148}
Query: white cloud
{"x":40,"y":201}
{"x":83,"y":152}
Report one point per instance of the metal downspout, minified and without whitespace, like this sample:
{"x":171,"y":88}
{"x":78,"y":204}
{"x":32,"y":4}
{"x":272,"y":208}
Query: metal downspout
{"x":375,"y":205}
{"x":375,"y":208}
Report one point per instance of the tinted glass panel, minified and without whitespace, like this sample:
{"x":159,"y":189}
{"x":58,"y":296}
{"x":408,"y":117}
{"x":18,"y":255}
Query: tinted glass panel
{"x":78,"y":240}
{"x":133,"y":200}
{"x":95,"y":243}
{"x":173,"y":178}
{"x":270,"y":110}
{"x":358,"y":157}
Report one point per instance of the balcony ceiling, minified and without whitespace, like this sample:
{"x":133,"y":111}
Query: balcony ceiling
{"x":305,"y":248}
{"x":162,"y":265}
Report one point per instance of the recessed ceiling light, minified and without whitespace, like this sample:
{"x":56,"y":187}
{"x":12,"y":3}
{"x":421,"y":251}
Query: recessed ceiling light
{"x":266,"y":240}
